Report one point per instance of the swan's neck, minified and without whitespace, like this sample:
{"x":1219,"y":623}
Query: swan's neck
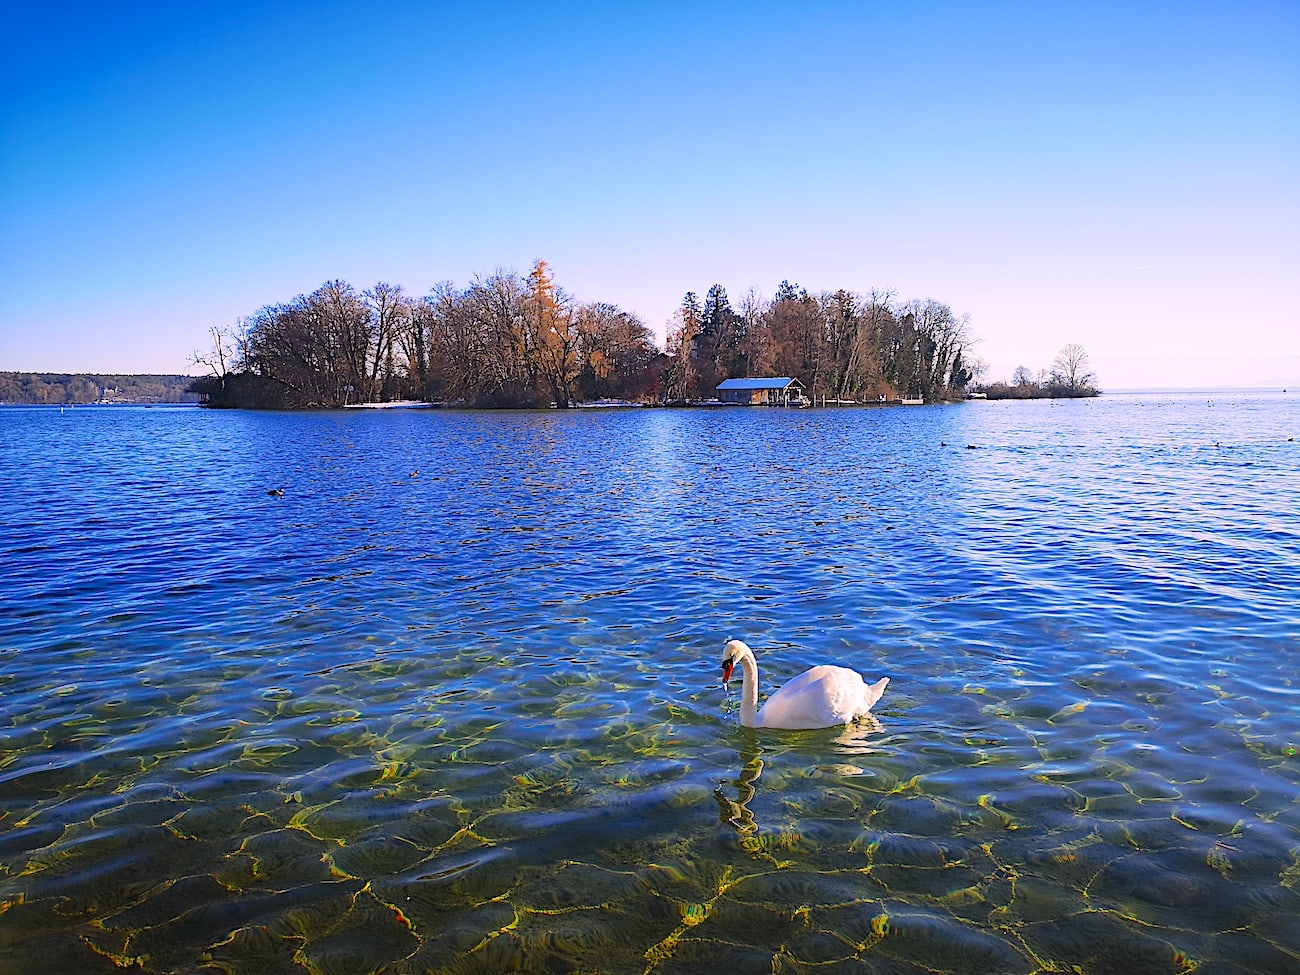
{"x":749,"y":691}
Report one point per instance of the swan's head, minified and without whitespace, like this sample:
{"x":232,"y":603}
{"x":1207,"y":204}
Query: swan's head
{"x":731,"y":655}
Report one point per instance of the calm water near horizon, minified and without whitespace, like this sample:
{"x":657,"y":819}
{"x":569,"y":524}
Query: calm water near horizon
{"x":453,"y":702}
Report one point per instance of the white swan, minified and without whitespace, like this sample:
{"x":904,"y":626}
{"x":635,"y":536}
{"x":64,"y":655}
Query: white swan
{"x":822,"y":697}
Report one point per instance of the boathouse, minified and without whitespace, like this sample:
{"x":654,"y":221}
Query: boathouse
{"x":776,"y":391}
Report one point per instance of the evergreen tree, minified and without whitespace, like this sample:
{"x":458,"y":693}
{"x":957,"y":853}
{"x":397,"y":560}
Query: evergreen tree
{"x":681,"y":380}
{"x":786,"y":291}
{"x":717,"y":313}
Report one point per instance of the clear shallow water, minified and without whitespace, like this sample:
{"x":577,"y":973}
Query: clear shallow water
{"x":471,"y":720}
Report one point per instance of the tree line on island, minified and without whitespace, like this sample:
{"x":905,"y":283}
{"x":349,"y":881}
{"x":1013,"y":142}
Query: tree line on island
{"x":513,"y":340}
{"x":1069,"y":376}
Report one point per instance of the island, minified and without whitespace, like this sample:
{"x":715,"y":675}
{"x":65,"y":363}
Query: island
{"x":520,"y":341}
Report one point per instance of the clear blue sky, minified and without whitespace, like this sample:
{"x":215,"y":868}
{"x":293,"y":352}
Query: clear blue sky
{"x":1125,"y":176}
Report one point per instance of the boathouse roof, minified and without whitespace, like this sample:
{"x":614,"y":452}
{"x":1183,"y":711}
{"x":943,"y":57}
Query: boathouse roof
{"x":775,"y":382}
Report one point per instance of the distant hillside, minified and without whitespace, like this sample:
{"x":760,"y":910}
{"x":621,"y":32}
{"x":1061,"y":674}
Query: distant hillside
{"x":62,"y":389}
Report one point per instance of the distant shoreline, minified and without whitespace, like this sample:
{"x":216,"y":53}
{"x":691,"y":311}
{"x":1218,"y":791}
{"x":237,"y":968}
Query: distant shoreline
{"x":37,"y":389}
{"x":96,"y":389}
{"x":1195,"y":390}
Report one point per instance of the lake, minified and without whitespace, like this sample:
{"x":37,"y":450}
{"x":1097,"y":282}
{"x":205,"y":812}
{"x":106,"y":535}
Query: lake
{"x":452,"y":702}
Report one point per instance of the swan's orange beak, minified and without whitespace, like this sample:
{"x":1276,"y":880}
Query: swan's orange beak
{"x":727,"y":668}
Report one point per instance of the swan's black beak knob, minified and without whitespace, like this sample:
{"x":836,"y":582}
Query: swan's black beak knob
{"x":727,"y":667}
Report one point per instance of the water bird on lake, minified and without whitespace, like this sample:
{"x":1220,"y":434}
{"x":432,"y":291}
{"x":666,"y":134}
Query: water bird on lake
{"x":276,"y":492}
{"x":822,"y":697}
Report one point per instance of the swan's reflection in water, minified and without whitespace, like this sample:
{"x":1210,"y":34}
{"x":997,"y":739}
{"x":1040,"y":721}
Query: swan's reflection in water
{"x":859,"y":738}
{"x":854,"y":739}
{"x":737,"y":813}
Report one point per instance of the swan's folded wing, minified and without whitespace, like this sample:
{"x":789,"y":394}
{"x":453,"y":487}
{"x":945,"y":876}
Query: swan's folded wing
{"x":818,"y":698}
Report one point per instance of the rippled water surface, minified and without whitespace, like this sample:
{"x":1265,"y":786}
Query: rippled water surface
{"x":452,"y":702}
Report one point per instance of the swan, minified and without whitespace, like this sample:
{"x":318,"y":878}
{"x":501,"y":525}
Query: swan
{"x":822,"y":697}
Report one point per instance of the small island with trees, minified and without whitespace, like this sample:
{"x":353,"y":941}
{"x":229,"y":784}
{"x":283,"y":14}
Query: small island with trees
{"x":520,"y":341}
{"x":1069,"y":377}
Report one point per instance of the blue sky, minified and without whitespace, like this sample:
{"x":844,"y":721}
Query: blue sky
{"x":1125,"y":176}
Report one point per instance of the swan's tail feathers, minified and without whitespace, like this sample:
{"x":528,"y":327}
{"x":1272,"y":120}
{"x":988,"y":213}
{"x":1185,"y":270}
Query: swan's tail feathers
{"x":874,"y":691}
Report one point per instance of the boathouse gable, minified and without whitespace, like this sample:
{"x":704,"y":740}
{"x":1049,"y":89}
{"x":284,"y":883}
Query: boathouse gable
{"x":772,"y":391}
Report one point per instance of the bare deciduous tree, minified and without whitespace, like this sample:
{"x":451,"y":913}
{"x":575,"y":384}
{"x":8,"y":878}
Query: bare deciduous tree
{"x":223,"y":357}
{"x":390,"y":311}
{"x":1070,"y":368}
